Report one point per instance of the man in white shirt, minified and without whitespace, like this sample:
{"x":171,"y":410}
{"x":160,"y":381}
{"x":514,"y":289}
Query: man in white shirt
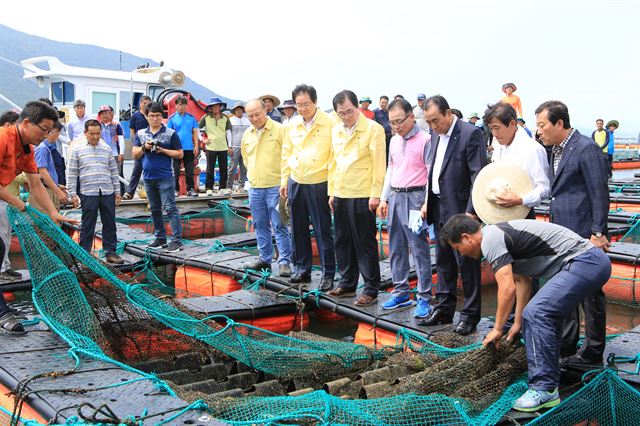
{"x":516,"y":147}
{"x":76,"y":125}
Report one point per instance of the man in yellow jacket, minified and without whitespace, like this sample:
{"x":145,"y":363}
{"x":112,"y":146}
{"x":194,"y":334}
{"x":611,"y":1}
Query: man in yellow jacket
{"x":357,"y":165}
{"x":305,"y":168}
{"x":261,"y":149}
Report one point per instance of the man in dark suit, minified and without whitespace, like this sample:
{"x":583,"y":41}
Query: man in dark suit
{"x":458,"y":155}
{"x":580,"y":202}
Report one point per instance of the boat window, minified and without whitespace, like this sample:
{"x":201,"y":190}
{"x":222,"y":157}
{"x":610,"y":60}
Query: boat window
{"x":154,"y":90}
{"x":102,"y":98}
{"x":63,"y":92}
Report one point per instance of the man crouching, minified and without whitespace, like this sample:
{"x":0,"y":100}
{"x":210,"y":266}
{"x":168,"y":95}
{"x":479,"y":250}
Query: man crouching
{"x":573,"y":267}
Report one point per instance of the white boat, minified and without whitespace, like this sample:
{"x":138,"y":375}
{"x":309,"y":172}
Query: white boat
{"x":119,"y":89}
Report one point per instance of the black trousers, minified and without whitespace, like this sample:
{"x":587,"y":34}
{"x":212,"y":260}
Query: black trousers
{"x":355,"y":244}
{"x":448,"y":264}
{"x":221,"y":157}
{"x":187,"y":158}
{"x":595,"y":328}
{"x":310,"y":203}
{"x":91,"y":206}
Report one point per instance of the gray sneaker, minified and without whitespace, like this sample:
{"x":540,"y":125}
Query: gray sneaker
{"x":285,"y":270}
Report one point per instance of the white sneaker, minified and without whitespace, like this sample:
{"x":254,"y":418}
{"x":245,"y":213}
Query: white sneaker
{"x":209,"y":192}
{"x":534,"y":400}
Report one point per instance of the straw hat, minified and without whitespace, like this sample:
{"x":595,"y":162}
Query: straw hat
{"x":273,"y":98}
{"x":493,"y":180}
{"x":513,"y":86}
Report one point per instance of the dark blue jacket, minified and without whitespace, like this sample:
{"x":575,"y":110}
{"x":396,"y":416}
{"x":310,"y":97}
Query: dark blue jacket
{"x":463,"y":159}
{"x":579,"y":189}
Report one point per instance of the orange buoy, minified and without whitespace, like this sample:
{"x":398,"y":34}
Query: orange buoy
{"x":368,"y":335}
{"x":280,"y":324}
{"x":624,"y":284}
{"x":326,"y":315}
{"x":7,"y":401}
{"x":204,"y":283}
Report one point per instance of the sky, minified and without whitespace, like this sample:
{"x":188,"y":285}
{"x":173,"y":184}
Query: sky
{"x":584,"y":53}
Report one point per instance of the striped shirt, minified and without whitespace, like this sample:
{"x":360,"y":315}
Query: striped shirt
{"x":95,"y":166}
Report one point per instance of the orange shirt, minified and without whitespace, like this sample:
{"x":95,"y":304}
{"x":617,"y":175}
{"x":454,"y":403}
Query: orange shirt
{"x":514,"y":101}
{"x":15,"y":158}
{"x":367,"y":113}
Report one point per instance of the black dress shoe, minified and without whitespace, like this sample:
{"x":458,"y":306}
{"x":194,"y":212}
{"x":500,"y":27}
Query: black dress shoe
{"x":258,"y":265}
{"x":300,"y":278}
{"x":464,"y":328}
{"x":579,"y":362}
{"x":436,"y":317}
{"x":326,"y":284}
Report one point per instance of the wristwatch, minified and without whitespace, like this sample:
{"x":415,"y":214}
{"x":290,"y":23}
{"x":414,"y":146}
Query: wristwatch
{"x":598,"y":234}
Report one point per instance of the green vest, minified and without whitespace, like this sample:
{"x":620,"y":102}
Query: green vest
{"x":216,"y":133}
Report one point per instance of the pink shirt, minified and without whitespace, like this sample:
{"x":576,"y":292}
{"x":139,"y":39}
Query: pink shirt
{"x":409,"y":160}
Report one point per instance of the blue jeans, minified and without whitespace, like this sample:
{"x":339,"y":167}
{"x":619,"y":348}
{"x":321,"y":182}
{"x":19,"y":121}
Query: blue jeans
{"x":161,"y":194}
{"x":264,"y":209}
{"x":543,"y":316}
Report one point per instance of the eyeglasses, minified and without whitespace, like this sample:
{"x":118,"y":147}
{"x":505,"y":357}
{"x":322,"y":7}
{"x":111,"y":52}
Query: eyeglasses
{"x":44,"y":129}
{"x":347,"y":113}
{"x":396,"y":123}
{"x":156,"y":115}
{"x":304,"y":105}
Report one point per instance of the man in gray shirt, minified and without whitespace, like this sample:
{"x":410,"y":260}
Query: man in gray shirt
{"x":519,"y":250}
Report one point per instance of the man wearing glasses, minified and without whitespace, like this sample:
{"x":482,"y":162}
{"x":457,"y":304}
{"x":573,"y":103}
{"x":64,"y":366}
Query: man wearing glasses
{"x":356,"y":174}
{"x":305,"y":161}
{"x":403,"y":195}
{"x":458,"y":155}
{"x":158,"y":146}
{"x":16,"y":156}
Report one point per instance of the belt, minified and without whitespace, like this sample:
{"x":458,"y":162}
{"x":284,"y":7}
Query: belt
{"x":408,"y":189}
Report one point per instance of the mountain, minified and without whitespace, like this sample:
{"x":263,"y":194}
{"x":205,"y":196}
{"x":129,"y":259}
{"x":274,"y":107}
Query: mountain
{"x":16,"y":46}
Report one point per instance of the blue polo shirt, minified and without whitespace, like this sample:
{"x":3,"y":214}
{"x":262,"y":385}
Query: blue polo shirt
{"x":154,"y":165}
{"x":138,"y":122}
{"x":44,"y":159}
{"x":184,"y":125}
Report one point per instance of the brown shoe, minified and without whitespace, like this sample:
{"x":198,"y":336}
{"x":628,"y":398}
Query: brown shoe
{"x":114,"y":259}
{"x":341,"y":292}
{"x":365,"y":300}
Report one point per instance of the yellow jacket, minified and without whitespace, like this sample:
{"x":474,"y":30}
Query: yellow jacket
{"x":305,"y":153}
{"x":261,"y":155}
{"x":357,"y":162}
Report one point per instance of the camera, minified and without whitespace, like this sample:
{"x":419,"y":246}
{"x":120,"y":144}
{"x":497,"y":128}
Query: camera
{"x":154,"y":145}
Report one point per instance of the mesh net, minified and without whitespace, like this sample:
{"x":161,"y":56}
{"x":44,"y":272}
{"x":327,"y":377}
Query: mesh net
{"x":119,"y":319}
{"x":624,"y":285}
